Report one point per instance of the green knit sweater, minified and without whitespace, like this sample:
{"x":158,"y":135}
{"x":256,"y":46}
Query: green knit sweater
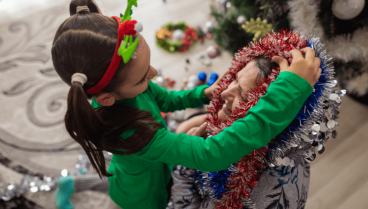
{"x":139,"y":180}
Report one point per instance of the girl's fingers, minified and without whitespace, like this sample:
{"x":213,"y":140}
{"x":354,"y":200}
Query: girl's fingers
{"x":310,"y":54}
{"x":317,"y":62}
{"x":220,"y":78}
{"x":191,"y":131}
{"x":296,"y":54}
{"x":282,"y":62}
{"x":319,"y":73}
{"x":200,"y":130}
{"x":205,"y":133}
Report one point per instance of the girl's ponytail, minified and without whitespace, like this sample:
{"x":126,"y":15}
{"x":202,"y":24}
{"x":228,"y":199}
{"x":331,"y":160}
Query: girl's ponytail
{"x":100,"y":129}
{"x":84,"y":125}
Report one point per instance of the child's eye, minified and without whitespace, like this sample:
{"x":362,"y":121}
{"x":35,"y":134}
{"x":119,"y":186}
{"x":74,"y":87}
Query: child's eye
{"x":142,"y":81}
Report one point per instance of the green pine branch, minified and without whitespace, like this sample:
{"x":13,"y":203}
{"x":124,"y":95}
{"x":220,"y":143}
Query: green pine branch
{"x":231,"y":36}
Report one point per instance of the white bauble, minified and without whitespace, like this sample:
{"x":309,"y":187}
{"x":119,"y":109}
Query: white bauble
{"x":178,"y":35}
{"x":193,"y":79}
{"x":209,"y":25}
{"x":191,"y":86}
{"x":159,"y":81}
{"x":347,"y":9}
{"x":241,"y":19}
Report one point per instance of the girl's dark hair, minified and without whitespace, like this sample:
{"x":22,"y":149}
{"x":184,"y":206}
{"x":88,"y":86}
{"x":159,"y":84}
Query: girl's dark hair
{"x":85,"y":43}
{"x":264,"y":68}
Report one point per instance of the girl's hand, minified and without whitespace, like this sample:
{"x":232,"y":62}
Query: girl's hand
{"x":306,"y":67}
{"x":198,"y":131}
{"x":208,"y":91}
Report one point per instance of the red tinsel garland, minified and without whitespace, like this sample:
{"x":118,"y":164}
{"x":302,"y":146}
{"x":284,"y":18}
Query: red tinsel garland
{"x":250,"y":166}
{"x":248,"y":169}
{"x":244,"y":181}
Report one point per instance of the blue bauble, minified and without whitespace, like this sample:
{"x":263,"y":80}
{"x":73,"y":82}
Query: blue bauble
{"x":211,"y":81}
{"x":202,"y":76}
{"x":214,"y":76}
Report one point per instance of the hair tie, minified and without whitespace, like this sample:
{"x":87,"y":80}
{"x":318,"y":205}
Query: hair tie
{"x":82,"y":9}
{"x":79,"y":77}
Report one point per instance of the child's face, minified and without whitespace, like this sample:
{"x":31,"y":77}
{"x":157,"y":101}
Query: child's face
{"x":236,"y":91}
{"x":140,"y":72}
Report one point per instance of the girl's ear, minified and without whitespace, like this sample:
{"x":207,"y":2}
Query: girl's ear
{"x":105,"y":99}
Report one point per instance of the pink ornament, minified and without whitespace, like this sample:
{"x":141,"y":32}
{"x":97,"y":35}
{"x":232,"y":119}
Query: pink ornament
{"x":212,"y":52}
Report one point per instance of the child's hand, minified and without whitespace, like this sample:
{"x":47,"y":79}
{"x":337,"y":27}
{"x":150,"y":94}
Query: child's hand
{"x":198,"y":131}
{"x":306,"y":67}
{"x":208,"y":91}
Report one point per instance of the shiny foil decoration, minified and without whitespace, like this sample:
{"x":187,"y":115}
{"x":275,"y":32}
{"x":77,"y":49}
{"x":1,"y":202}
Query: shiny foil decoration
{"x":306,"y":134}
{"x":29,"y":183}
{"x":46,"y":183}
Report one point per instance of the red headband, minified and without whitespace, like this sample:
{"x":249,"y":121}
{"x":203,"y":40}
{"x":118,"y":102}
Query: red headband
{"x":125,"y":28}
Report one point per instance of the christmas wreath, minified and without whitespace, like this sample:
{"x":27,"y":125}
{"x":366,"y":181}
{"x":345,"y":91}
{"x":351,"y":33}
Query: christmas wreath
{"x":184,"y":37}
{"x":305,"y":135}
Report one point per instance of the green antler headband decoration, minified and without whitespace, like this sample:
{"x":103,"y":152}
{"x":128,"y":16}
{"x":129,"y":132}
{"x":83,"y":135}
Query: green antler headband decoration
{"x":125,"y":47}
{"x":128,"y":10}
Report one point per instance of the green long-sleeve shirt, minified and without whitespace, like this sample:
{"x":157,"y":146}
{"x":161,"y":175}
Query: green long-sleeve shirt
{"x":139,"y":180}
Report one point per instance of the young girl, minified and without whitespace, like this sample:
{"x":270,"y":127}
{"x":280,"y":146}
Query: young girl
{"x":91,"y":53}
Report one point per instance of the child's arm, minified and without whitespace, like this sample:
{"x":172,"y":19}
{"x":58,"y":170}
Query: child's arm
{"x":170,"y":101}
{"x":271,"y":115}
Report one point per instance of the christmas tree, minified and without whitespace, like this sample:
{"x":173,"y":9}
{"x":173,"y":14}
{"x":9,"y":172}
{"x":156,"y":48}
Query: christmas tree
{"x":343,"y":27}
{"x":230,"y":15}
{"x":341,"y":24}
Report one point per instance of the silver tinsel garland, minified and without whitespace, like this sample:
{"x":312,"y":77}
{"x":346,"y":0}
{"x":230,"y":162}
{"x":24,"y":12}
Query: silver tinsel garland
{"x":35,"y":184}
{"x":28,"y":184}
{"x":314,"y":132}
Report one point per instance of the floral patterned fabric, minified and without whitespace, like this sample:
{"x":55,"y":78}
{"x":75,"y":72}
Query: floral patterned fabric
{"x":281,"y":187}
{"x":184,"y":192}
